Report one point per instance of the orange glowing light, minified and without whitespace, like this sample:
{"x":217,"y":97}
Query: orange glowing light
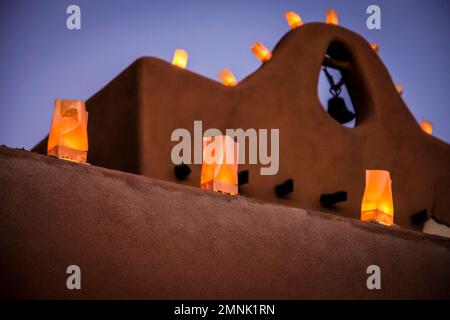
{"x":227,"y":78}
{"x":426,"y":126}
{"x":293,"y":19}
{"x":68,"y":137}
{"x":261,"y":52}
{"x":332,"y":17}
{"x":399,"y":88}
{"x":180,"y":58}
{"x":220,"y":165}
{"x":375,"y":47}
{"x":377,"y":204}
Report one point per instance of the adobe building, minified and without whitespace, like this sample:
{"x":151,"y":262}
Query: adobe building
{"x":138,"y":232}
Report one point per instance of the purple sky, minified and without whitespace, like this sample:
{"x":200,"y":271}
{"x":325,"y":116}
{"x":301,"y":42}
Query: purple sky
{"x":41,"y":59}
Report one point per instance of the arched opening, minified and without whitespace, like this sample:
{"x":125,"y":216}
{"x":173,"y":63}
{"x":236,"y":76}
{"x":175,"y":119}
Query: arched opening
{"x":334,"y":86}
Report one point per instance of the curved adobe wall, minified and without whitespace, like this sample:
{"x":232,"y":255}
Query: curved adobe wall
{"x":131,"y":119}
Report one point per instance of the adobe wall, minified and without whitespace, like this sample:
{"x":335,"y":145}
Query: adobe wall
{"x":132,"y":118}
{"x":143,"y":238}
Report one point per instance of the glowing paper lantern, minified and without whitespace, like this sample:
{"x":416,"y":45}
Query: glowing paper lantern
{"x":426,"y":126}
{"x":399,"y":88}
{"x":293,"y":19}
{"x":332,"y":17}
{"x":261,"y":52}
{"x":180,"y":58}
{"x":227,"y":78}
{"x":68,"y":137}
{"x":377,"y":204}
{"x":220,"y":165}
{"x":375,"y":47}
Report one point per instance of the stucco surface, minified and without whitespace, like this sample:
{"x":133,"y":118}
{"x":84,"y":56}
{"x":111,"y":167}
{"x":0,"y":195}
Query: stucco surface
{"x":139,"y":237}
{"x":132,"y":118}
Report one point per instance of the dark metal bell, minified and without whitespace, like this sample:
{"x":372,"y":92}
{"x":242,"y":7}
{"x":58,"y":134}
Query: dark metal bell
{"x":338,"y":111}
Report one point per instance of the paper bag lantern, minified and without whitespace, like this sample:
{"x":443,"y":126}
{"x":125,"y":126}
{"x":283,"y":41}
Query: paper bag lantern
{"x":293,"y":19}
{"x":377,"y":204}
{"x":261,"y":52}
{"x":375,"y":47}
{"x":426,"y":126}
{"x":399,"y":88}
{"x":68,"y":137}
{"x":180,"y":58}
{"x":332,"y":17}
{"x":227,"y":78}
{"x":220,"y":165}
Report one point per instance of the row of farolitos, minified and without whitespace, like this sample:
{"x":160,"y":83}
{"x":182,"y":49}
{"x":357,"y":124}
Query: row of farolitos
{"x":68,"y":140}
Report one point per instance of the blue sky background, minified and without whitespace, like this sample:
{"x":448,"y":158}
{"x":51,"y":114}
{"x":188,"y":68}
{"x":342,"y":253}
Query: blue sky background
{"x":40,"y":59}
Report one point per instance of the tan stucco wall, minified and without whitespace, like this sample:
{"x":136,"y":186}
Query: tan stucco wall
{"x":132,"y":118}
{"x":143,"y":238}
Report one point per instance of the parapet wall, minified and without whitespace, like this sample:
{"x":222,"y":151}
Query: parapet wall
{"x":132,"y":118}
{"x":138,"y":237}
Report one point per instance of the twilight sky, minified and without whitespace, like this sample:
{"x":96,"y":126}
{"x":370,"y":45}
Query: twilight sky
{"x":40,"y":59}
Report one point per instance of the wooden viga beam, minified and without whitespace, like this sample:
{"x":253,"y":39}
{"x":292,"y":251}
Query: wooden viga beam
{"x":336,"y":64}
